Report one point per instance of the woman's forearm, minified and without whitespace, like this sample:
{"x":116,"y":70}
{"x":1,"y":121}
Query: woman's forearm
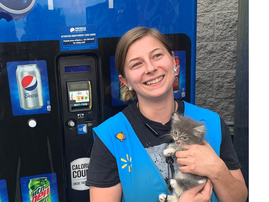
{"x":229,"y":185}
{"x":110,"y":194}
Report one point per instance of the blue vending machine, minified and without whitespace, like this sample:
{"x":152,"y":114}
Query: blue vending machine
{"x":58,"y":81}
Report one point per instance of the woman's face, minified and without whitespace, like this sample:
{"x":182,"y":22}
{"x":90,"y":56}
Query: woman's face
{"x":149,"y":68}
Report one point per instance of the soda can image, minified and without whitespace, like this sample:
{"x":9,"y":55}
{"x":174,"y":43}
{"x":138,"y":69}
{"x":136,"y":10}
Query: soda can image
{"x":177,"y":73}
{"x":39,"y":190}
{"x":29,"y":86}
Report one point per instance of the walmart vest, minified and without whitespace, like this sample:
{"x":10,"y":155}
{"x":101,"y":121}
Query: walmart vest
{"x":140,"y":178}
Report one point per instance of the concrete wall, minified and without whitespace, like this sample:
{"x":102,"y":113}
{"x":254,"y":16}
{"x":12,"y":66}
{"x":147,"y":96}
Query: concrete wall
{"x":216,"y":56}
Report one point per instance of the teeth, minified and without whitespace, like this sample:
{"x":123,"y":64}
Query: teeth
{"x":154,"y":81}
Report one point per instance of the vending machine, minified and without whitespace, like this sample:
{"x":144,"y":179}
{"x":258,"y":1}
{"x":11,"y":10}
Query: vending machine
{"x":58,"y":80}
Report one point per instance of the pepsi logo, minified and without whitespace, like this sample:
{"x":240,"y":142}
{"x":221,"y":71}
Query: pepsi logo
{"x":29,"y":82}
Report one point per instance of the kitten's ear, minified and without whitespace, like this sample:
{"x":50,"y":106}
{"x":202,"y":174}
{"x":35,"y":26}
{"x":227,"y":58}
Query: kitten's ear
{"x":199,"y":130}
{"x":175,"y":117}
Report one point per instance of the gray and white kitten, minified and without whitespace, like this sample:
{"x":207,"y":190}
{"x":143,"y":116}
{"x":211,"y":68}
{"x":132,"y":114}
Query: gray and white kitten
{"x":184,"y":131}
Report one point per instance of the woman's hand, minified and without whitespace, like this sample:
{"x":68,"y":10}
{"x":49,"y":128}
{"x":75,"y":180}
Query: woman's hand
{"x":229,"y":185}
{"x":200,"y":193}
{"x":200,"y":160}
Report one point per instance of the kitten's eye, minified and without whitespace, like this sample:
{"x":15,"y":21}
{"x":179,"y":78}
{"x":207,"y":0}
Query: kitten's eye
{"x":184,"y":137}
{"x":175,"y":132}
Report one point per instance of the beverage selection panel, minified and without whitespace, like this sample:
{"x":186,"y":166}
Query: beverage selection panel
{"x":80,"y":96}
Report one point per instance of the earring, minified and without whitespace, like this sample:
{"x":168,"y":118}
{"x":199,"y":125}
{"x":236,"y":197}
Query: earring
{"x":130,"y":88}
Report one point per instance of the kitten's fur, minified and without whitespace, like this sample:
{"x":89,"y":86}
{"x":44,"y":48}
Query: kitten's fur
{"x":186,"y":131}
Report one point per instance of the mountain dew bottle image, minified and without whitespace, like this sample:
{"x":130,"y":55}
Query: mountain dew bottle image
{"x":39,"y":190}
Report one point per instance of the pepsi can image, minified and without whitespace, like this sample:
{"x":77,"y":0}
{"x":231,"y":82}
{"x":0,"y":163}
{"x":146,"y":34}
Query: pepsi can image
{"x":29,"y":86}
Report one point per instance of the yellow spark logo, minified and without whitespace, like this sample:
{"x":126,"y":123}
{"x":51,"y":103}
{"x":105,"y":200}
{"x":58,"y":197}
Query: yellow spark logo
{"x":128,"y":162}
{"x":120,"y":136}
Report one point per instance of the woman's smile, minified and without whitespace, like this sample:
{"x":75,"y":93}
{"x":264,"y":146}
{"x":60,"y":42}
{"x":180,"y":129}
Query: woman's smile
{"x":154,"y":81}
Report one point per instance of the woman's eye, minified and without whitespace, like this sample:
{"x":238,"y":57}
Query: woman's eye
{"x":157,"y":55}
{"x":136,"y":64}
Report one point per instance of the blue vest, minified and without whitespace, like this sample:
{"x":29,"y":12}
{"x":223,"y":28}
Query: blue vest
{"x":140,"y":178}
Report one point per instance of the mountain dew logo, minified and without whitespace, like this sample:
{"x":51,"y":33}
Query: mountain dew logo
{"x":39,"y":190}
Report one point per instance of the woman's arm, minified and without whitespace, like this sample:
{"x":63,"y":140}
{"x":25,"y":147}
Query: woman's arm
{"x":229,"y":185}
{"x":110,"y":194}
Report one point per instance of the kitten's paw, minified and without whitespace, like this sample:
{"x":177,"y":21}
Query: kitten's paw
{"x":170,"y":198}
{"x":169,"y":152}
{"x":173,"y":183}
{"x":162,"y":197}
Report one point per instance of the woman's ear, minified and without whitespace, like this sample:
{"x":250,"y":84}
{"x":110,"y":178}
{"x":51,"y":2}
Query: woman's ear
{"x":123,"y":80}
{"x":174,"y":60}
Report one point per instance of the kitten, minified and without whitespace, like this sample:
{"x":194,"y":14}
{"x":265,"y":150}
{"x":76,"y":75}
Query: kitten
{"x":184,"y":131}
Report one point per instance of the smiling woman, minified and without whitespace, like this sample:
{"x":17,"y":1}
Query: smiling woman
{"x":136,"y":58}
{"x":149,"y":70}
{"x":127,"y":160}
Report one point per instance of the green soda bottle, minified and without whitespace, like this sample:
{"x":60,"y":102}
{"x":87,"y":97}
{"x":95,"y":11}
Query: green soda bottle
{"x":39,"y":190}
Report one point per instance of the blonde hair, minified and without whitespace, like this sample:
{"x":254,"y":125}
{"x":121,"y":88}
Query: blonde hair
{"x":122,"y":49}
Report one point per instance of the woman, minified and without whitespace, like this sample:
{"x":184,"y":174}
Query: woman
{"x":127,"y":163}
